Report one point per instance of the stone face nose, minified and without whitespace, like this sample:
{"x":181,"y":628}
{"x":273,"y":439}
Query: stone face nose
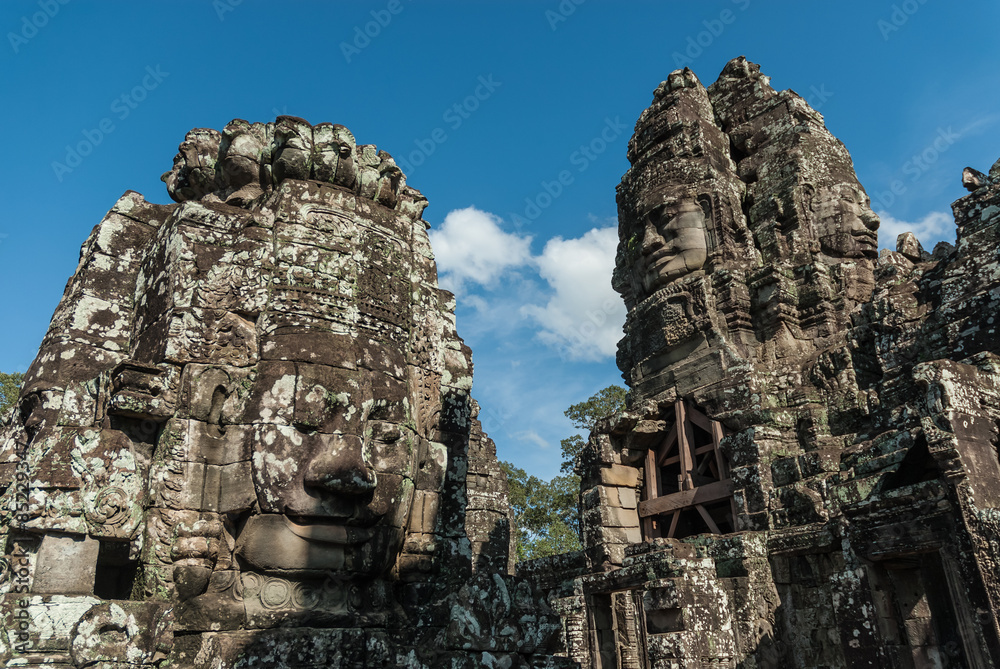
{"x":870,"y":219}
{"x":338,"y":466}
{"x":651,"y":240}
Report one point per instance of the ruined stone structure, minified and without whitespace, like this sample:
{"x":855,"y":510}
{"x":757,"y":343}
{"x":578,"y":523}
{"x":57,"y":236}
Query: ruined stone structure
{"x":806,"y":473}
{"x":248,"y":439}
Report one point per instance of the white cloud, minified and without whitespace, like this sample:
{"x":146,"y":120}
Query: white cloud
{"x":932,"y":228}
{"x":471,"y":247}
{"x":574,"y":310}
{"x":979,"y":125}
{"x":583,"y":317}
{"x":531,"y":437}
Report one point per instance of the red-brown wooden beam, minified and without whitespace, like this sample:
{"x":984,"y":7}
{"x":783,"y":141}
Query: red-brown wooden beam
{"x":705,"y":494}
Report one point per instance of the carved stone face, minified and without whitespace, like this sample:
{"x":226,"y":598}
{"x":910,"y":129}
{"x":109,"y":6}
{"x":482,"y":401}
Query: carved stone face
{"x":293,"y":144}
{"x":193,"y":173}
{"x":334,"y":154}
{"x":843,"y":222}
{"x":334,"y":487}
{"x":673,"y":244}
{"x":240,"y":153}
{"x":268,"y":384}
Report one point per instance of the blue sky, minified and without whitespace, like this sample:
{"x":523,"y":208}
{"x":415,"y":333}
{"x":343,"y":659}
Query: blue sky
{"x":547,"y":93}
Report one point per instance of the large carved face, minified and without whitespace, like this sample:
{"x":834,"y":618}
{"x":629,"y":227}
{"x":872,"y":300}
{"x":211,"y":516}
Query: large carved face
{"x":843,"y":222}
{"x":193,"y":174}
{"x":240,"y":153}
{"x":673,"y":244}
{"x":334,"y":477}
{"x":292,"y":148}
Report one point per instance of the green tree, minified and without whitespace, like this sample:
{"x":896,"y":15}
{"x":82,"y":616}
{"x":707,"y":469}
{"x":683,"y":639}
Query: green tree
{"x":547,"y":513}
{"x":584,"y":416}
{"x":10,"y":388}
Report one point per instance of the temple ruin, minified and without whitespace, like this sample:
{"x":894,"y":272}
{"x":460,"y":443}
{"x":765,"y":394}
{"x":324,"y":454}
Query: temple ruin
{"x":806,"y":474}
{"x":248,"y":439}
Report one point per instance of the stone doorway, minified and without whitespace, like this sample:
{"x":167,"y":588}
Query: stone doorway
{"x":916,"y":614}
{"x":618,"y":635}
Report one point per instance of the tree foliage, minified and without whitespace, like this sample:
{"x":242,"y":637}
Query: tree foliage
{"x":584,"y":416}
{"x":10,"y":388}
{"x":571,"y":447}
{"x":547,"y":513}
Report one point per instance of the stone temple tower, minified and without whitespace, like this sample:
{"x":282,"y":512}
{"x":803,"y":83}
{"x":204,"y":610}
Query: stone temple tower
{"x":248,"y":437}
{"x":806,"y":473}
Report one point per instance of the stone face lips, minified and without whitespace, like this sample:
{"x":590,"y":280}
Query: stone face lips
{"x":250,"y":424}
{"x":848,"y":516}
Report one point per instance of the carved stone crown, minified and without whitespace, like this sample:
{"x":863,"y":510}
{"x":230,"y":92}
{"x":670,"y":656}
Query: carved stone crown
{"x":247,"y":160}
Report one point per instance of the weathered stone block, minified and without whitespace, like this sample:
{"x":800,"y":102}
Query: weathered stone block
{"x":66,"y":565}
{"x":627,"y":497}
{"x":619,"y":475}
